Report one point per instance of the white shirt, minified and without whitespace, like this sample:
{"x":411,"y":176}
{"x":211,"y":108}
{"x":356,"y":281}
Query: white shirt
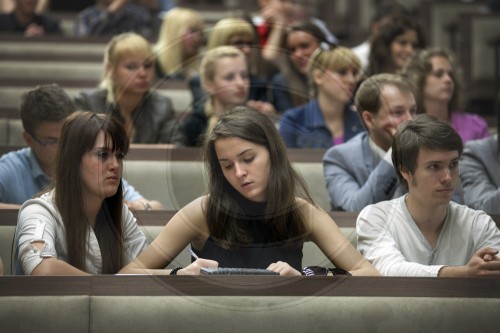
{"x":363,"y":53}
{"x":39,"y":219}
{"x":390,"y":239}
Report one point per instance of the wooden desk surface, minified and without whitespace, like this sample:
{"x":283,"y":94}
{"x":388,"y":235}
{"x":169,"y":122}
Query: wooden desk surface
{"x":145,"y":285}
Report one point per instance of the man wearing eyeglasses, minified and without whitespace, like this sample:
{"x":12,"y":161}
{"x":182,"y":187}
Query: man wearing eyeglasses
{"x":25,"y":172}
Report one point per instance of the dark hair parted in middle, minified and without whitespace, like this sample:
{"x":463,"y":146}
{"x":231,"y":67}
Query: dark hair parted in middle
{"x":78,"y":136}
{"x":225,"y":214}
{"x":381,"y":59}
{"x":427,"y":132}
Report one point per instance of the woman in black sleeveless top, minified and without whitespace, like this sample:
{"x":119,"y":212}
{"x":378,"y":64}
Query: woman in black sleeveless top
{"x":257,"y":213}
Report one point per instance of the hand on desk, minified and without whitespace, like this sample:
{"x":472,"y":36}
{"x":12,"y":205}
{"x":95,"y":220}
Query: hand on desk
{"x":195,"y":267}
{"x":484,"y":263}
{"x":283,"y":268}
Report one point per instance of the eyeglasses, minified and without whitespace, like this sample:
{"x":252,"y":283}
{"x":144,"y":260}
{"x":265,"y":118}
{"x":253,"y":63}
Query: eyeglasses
{"x":49,"y":143}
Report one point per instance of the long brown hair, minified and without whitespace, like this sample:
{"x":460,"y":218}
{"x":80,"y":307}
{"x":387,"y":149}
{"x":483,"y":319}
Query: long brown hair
{"x":380,"y":58}
{"x":226,"y":216}
{"x":78,"y":137}
{"x":419,"y":66}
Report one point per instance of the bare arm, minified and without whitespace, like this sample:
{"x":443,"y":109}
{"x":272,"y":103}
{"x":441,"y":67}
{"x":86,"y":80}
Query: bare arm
{"x":53,"y":266}
{"x":273,"y":50}
{"x":188,"y":225}
{"x":144,"y":204}
{"x":329,"y":238}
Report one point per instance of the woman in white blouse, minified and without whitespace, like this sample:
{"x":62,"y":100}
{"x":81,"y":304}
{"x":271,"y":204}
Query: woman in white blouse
{"x":80,"y":225}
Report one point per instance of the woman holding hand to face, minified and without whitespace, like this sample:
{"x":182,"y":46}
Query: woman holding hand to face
{"x":257,"y":213}
{"x":80,"y":225}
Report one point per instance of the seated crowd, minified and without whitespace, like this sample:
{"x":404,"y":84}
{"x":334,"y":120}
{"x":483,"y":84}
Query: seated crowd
{"x":398,"y":148}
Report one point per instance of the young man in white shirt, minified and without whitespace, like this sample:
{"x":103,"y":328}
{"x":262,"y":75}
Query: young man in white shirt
{"x":424,"y":233}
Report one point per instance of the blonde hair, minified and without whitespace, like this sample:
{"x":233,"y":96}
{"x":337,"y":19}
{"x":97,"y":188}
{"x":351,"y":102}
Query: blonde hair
{"x":168,"y":48}
{"x":119,"y":47}
{"x":335,"y":60}
{"x":226,"y":28}
{"x":207,"y":73}
{"x":209,"y":61}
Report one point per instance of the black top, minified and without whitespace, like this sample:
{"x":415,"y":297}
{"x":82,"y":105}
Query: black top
{"x":257,"y":91}
{"x":261,"y":252}
{"x":9,"y":23}
{"x":194,"y":125}
{"x":155,"y":120}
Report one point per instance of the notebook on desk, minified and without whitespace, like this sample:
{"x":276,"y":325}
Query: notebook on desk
{"x":236,"y":271}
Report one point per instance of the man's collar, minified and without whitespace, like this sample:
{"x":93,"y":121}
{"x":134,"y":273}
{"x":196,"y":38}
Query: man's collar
{"x":379,"y":152}
{"x":36,"y":169}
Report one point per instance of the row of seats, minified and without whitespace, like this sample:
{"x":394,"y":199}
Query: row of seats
{"x":247,"y":304}
{"x":176,"y":183}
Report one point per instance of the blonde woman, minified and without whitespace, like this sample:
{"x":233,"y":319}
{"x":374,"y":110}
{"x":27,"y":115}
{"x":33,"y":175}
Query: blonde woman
{"x":179,"y":43}
{"x":241,"y":34}
{"x":125,"y":92}
{"x":225,"y":79}
{"x":329,"y":119}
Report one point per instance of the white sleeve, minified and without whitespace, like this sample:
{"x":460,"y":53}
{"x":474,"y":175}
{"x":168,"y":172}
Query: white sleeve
{"x":34,"y":224}
{"x":377,"y":245}
{"x":486,"y":232}
{"x":134,"y":240}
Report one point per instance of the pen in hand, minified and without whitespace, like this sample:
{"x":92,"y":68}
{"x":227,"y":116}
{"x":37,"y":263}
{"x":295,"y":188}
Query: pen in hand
{"x":192,"y":253}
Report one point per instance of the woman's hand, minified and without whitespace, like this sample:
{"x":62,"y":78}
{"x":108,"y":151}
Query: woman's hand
{"x":195,"y":267}
{"x":283,"y":268}
{"x":264,"y":107}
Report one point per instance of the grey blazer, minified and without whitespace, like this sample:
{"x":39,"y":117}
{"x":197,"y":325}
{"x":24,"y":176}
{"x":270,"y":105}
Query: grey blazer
{"x":480,"y":174}
{"x":355,"y":177}
{"x":155,"y":121}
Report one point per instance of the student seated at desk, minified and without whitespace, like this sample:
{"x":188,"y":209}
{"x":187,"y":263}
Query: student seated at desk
{"x":239,"y":33}
{"x":178,"y":46}
{"x":257,"y":213}
{"x":224,"y":77}
{"x":423,"y":233}
{"x":329,"y":119}
{"x":435,"y":74}
{"x":80,"y":225}
{"x":126,"y":92}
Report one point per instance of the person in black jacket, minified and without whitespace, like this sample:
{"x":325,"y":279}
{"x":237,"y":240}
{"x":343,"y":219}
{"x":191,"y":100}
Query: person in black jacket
{"x":24,"y":20}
